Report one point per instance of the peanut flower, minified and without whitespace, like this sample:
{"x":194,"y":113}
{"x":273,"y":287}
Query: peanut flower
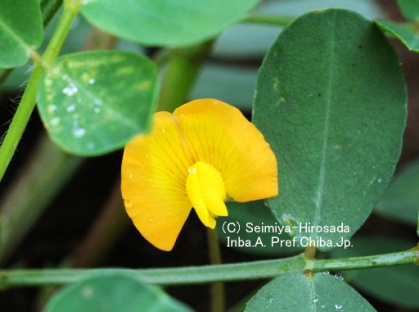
{"x":203,"y":154}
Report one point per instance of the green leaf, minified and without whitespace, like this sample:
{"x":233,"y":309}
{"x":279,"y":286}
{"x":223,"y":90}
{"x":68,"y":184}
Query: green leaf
{"x":252,"y":223}
{"x":74,"y":42}
{"x":407,"y":33}
{"x":400,"y":201}
{"x":409,"y":9}
{"x":297,"y":292}
{"x":166,"y":22}
{"x":112,"y":292}
{"x":94,"y":102}
{"x":397,"y":285}
{"x":331,"y":100}
{"x":21,"y":31}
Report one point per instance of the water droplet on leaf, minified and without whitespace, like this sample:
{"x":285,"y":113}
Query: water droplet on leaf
{"x":87,"y":292}
{"x":55,"y":121}
{"x":70,"y":90}
{"x":97,"y":101}
{"x":55,"y":71}
{"x":52,"y":108}
{"x":48,"y":82}
{"x":339,"y":277}
{"x":79,"y":132}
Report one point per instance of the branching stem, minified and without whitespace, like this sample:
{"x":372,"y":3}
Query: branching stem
{"x":27,"y":104}
{"x":211,"y":273}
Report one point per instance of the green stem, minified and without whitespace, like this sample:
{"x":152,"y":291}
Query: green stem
{"x":41,"y":178}
{"x":165,"y":276}
{"x":27,"y":104}
{"x":71,"y":9}
{"x":410,"y":256}
{"x":217,"y":289}
{"x":180,"y":74}
{"x":20,"y":119}
{"x":212,"y":273}
{"x":104,"y":233}
{"x":310,"y":252}
{"x":273,"y":20}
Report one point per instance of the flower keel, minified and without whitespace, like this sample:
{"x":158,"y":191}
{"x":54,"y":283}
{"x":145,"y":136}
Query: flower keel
{"x":206,"y":191}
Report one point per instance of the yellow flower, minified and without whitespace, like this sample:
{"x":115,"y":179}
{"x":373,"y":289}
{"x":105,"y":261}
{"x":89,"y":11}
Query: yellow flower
{"x":203,"y":154}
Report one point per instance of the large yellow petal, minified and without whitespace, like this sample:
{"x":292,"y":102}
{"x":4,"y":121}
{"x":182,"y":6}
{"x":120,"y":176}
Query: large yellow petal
{"x":154,"y":172}
{"x":219,"y":134}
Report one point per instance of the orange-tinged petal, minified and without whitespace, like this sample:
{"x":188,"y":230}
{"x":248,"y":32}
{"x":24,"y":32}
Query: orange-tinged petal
{"x":218,"y":134}
{"x":154,"y":172}
{"x":203,"y":153}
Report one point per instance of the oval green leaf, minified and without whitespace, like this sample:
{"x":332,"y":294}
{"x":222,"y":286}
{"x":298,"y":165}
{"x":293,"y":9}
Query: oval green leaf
{"x":396,"y":285}
{"x":21,"y":30}
{"x":94,"y":102}
{"x":297,"y":292}
{"x":331,"y":100}
{"x":407,"y":33}
{"x":112,"y":292}
{"x":165,"y":22}
{"x":400,"y":201}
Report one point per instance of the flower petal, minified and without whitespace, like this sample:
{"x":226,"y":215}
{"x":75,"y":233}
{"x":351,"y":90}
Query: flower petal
{"x":218,"y":134}
{"x":154,"y":172}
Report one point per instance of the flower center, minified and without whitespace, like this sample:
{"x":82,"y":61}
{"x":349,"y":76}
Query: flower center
{"x":206,"y":191}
